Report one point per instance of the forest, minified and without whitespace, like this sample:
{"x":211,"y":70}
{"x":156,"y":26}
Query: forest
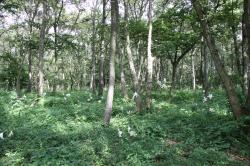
{"x":124,"y":82}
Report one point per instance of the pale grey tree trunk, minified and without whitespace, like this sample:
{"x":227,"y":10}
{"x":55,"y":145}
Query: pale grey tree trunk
{"x":193,"y":72}
{"x":247,"y":24}
{"x":114,"y":31}
{"x":41,"y":50}
{"x":150,"y":58}
{"x":93,"y":50}
{"x":123,"y":79}
{"x":101,"y":60}
{"x":204,"y":55}
{"x":131,"y":61}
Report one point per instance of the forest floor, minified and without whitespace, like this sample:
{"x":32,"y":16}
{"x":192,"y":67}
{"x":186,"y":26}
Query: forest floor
{"x":66,"y":129}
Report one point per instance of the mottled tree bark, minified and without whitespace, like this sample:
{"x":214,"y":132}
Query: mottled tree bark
{"x":247,"y":24}
{"x":131,"y":61}
{"x":101,"y":60}
{"x":93,"y":52}
{"x":205,"y":69}
{"x":41,"y":50}
{"x":150,"y":58}
{"x":193,"y":72}
{"x":31,"y":20}
{"x":123,"y":80}
{"x":114,"y":31}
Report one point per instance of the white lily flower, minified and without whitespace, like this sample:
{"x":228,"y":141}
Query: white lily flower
{"x":129,"y":128}
{"x":210,"y":96}
{"x":204,"y":99}
{"x":211,"y":110}
{"x":132,"y":133}
{"x":1,"y":136}
{"x":119,"y":133}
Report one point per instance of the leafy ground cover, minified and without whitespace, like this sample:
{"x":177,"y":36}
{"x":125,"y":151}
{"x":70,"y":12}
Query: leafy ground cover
{"x":66,"y":129}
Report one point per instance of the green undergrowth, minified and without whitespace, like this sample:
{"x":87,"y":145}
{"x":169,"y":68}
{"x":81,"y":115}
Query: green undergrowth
{"x":67,"y":129}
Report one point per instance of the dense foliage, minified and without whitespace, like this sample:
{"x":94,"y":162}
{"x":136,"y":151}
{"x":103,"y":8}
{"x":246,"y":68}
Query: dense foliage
{"x":67,"y":130}
{"x":124,"y":82}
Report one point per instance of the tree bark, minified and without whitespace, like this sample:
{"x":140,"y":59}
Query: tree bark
{"x":31,"y":20}
{"x":247,"y":24}
{"x":174,"y":71}
{"x":206,"y":69}
{"x":41,"y":50}
{"x":114,"y":31}
{"x":150,"y":58}
{"x":227,"y":82}
{"x":29,"y":88}
{"x":18,"y":84}
{"x":193,"y":72}
{"x":123,"y":81}
{"x":101,"y":60}
{"x":93,"y":50}
{"x":131,"y":61}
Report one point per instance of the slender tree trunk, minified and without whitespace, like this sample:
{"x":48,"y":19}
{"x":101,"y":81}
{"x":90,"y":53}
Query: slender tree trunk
{"x":247,"y":23}
{"x":243,"y":51}
{"x":93,"y":50}
{"x":206,"y":69}
{"x":41,"y":50}
{"x":227,"y":82}
{"x":114,"y":31}
{"x":236,"y":51}
{"x":150,"y":58}
{"x":174,"y":71}
{"x":138,"y":101}
{"x":123,"y":81}
{"x":101,"y":60}
{"x":180,"y":76}
{"x":55,"y":54}
{"x":18,"y":84}
{"x":193,"y":72}
{"x":29,"y":89}
{"x":162,"y":73}
{"x":31,"y":20}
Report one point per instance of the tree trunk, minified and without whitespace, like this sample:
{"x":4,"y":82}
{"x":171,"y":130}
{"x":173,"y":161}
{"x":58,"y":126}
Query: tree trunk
{"x":193,"y":72}
{"x":174,"y":71}
{"x":31,"y":20}
{"x":247,"y":23}
{"x":41,"y":50}
{"x":240,"y":68}
{"x":131,"y":61}
{"x":18,"y":84}
{"x":227,"y":82}
{"x":101,"y":60}
{"x":204,"y":56}
{"x":55,"y":54}
{"x":93,"y":50}
{"x":236,"y":51}
{"x":29,"y":88}
{"x":150,"y":58}
{"x":123,"y":83}
{"x":114,"y":31}
{"x":243,"y":50}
